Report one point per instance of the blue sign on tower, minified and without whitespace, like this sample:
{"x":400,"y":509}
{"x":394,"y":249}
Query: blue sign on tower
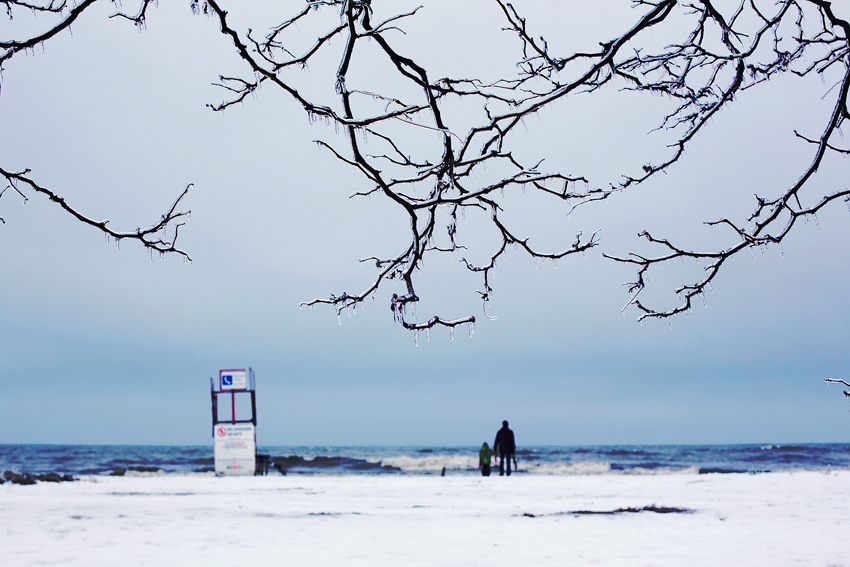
{"x":233,"y":379}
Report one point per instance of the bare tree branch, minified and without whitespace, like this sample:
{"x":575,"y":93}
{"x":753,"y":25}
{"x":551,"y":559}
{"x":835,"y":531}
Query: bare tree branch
{"x":11,"y":47}
{"x":423,"y":188}
{"x":713,"y":51}
{"x":154,"y":237}
{"x":161,"y":236}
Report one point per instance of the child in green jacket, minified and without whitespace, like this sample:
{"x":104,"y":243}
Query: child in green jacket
{"x":484,"y":456}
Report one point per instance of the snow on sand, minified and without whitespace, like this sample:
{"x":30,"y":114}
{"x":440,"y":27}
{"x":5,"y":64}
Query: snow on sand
{"x":770,"y":519}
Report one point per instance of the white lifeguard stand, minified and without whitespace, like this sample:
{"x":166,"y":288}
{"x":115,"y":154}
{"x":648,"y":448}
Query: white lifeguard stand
{"x":234,"y":422}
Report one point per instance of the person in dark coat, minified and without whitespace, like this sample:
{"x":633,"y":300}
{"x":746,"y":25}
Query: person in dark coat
{"x":505,"y":447}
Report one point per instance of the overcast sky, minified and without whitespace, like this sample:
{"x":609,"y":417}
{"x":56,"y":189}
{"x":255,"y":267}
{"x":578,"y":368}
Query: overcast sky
{"x":106,"y":345}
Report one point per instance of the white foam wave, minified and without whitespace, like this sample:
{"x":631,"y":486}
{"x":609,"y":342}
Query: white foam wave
{"x":467,"y":463}
{"x":432,"y":463}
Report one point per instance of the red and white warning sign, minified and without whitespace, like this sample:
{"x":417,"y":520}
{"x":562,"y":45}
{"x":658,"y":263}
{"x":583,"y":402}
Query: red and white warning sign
{"x":235,"y":449}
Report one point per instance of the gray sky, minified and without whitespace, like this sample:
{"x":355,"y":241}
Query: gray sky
{"x":108,"y":346}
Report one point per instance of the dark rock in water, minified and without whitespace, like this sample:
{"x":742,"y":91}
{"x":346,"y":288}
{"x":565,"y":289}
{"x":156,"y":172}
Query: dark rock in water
{"x":15,"y":478}
{"x":121,"y":471}
{"x":720,"y":471}
{"x":55,"y":477}
{"x":24,"y":478}
{"x":143,"y":469}
{"x":27,"y":478}
{"x":324,"y":462}
{"x":205,"y":469}
{"x":50,"y":477}
{"x":283,"y":464}
{"x":367,"y":466}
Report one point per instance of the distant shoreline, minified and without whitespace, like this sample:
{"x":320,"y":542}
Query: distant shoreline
{"x":542,"y":460}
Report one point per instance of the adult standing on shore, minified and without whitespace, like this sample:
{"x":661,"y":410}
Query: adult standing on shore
{"x":505,"y":446}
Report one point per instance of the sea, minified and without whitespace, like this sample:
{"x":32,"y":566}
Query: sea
{"x":80,"y":460}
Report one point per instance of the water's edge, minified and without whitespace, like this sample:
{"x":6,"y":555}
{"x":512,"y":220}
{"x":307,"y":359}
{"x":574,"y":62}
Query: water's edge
{"x":552,"y":460}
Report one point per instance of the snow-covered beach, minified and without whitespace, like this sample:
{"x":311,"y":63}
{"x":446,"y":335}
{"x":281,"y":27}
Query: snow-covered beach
{"x":778,"y":518}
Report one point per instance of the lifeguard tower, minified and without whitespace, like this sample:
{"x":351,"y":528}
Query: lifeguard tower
{"x":234,"y":424}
